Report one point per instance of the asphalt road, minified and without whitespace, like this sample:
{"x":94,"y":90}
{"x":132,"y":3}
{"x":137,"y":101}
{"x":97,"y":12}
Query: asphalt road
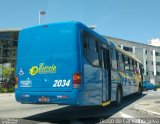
{"x":46,"y":114}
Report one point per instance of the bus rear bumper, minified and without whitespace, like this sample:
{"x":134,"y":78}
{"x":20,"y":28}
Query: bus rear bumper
{"x":61,"y":98}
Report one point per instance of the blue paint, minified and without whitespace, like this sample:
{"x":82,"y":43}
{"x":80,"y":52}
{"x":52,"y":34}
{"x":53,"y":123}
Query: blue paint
{"x":53,"y":53}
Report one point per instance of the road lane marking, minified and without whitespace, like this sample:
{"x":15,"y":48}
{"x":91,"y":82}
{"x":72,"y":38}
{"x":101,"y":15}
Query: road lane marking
{"x":125,"y":115}
{"x":132,"y":119}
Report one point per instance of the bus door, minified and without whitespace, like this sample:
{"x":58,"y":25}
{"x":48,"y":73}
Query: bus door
{"x":106,"y":83}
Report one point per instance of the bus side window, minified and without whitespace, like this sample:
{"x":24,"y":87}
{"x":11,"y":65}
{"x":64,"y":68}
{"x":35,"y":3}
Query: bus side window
{"x":136,"y":67}
{"x":114,"y":59}
{"x":141,"y":69}
{"x":126,"y":61}
{"x":97,"y":46}
{"x":131,"y":65}
{"x":85,"y":43}
{"x":92,"y":44}
{"x":117,"y":58}
{"x":121,"y":62}
{"x":90,"y":49}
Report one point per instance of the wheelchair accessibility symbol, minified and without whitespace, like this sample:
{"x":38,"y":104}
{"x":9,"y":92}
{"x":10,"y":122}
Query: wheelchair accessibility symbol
{"x":21,"y":72}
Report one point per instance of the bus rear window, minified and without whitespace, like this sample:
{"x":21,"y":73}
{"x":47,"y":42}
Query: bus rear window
{"x":47,"y":41}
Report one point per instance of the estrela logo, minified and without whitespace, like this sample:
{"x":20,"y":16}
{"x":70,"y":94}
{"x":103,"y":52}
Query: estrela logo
{"x":42,"y":69}
{"x":34,"y":70}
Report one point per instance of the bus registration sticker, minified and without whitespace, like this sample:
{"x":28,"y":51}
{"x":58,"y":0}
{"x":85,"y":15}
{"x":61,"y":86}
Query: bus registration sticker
{"x":25,"y":84}
{"x":43,"y":99}
{"x":61,"y":83}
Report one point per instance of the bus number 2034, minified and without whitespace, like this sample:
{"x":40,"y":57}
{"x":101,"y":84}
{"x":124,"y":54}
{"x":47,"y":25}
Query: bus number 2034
{"x":61,"y":83}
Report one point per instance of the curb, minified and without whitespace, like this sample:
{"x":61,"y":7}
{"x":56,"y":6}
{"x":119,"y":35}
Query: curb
{"x":148,"y":112}
{"x":6,"y":94}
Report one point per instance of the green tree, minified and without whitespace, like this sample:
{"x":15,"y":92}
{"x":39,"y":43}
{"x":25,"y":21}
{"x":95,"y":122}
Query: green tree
{"x":7,"y":71}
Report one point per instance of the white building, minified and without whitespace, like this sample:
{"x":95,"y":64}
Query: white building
{"x":154,"y":42}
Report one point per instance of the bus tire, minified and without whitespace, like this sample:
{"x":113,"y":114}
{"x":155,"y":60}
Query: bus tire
{"x":119,"y":96}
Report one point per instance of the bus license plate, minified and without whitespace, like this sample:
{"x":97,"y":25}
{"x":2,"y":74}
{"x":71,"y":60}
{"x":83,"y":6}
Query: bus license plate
{"x":43,"y":99}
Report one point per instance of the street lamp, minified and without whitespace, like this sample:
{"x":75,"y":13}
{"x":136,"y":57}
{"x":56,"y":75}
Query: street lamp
{"x":92,"y":26}
{"x":41,"y":13}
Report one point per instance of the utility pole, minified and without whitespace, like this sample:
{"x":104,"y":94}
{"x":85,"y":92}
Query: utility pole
{"x":41,"y":13}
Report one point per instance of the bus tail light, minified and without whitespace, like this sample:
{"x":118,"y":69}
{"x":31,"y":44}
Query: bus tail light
{"x":76,"y":80}
{"x":16,"y":82}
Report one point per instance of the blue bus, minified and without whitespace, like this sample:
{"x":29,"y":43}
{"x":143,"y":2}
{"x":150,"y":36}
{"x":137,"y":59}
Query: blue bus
{"x":67,"y":63}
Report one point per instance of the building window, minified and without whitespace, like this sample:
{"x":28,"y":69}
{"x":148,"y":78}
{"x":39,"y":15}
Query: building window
{"x":157,"y":53}
{"x":127,"y":49}
{"x":146,"y":52}
{"x":152,"y":62}
{"x":158,"y":63}
{"x":158,"y":73}
{"x":147,"y":73}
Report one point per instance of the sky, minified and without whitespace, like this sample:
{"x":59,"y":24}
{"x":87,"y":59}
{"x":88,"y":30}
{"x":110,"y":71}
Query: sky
{"x":134,"y":20}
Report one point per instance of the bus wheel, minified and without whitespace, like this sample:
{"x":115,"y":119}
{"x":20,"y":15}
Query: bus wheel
{"x":119,"y":96}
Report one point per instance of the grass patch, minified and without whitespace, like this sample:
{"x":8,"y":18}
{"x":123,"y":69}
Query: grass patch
{"x":6,"y":90}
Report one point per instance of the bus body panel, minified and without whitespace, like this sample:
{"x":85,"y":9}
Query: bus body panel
{"x":115,"y":81}
{"x":92,"y":84}
{"x":49,"y":56}
{"x":42,"y":52}
{"x":62,"y":98}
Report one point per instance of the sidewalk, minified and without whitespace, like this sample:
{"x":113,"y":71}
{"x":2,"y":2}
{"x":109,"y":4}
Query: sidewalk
{"x":151,"y":107}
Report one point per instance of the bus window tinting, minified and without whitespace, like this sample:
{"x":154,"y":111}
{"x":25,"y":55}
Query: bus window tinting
{"x":90,"y":49}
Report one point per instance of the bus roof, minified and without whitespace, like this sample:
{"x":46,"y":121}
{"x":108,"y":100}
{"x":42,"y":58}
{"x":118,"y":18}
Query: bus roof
{"x":127,"y":54}
{"x":79,"y":24}
{"x":93,"y":32}
{"x":84,"y":27}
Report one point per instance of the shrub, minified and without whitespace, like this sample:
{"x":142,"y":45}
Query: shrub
{"x":6,"y":90}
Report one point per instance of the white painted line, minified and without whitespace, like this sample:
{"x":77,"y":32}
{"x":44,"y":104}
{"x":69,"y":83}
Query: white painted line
{"x":132,"y":119}
{"x":125,"y":115}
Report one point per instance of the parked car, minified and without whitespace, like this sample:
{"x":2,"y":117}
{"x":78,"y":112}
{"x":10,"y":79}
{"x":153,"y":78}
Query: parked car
{"x":149,"y":86}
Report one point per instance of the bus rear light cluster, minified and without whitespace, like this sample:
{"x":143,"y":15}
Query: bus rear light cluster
{"x":76,"y":80}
